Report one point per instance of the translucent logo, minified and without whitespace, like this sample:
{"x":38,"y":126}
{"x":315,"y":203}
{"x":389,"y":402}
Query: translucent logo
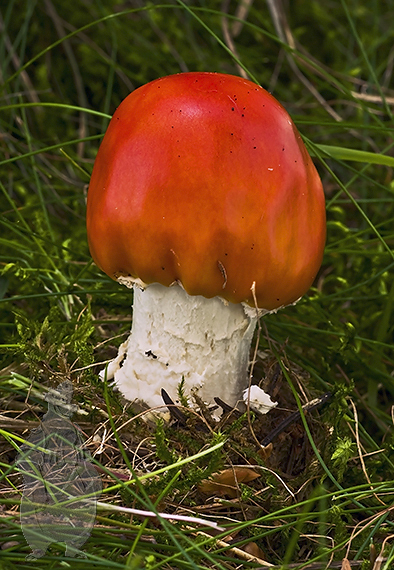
{"x":61,"y":486}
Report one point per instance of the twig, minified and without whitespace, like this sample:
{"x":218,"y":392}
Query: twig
{"x":238,"y":552}
{"x":379,"y":560}
{"x":368,"y":522}
{"x":175,"y":412}
{"x":241,"y":13}
{"x":254,"y":360}
{"x":309,"y":406}
{"x":360,"y":453}
{"x":151,"y":514}
{"x":284,"y":34}
{"x":261,"y":468}
{"x":318,"y":565}
{"x":372,"y":98}
{"x":229,"y":39}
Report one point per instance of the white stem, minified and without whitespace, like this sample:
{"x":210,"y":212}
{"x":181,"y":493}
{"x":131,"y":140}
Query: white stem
{"x":174,"y":335}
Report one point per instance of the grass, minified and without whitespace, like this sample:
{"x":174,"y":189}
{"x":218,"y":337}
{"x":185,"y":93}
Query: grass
{"x":323,"y":489}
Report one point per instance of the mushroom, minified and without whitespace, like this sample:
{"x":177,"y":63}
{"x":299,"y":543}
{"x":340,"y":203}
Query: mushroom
{"x":204,"y":199}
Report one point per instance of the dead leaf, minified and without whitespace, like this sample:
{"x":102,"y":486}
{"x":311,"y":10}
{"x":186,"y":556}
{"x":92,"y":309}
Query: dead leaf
{"x":265,"y":452}
{"x":254,"y":550}
{"x":226,"y":482}
{"x":373,"y":554}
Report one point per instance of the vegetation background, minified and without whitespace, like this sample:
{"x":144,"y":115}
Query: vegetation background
{"x":323,"y":493}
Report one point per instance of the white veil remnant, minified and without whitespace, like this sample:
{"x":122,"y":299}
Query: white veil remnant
{"x":61,"y":486}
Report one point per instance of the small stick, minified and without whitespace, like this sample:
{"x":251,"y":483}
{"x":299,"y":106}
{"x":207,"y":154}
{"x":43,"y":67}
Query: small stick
{"x":294,"y":417}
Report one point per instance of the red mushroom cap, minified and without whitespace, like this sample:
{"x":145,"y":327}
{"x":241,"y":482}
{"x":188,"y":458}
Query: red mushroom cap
{"x":202,"y":178}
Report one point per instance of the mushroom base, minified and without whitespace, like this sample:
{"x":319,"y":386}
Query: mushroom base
{"x":175,"y":337}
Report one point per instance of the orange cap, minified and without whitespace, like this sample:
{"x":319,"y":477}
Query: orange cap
{"x":202,"y":178}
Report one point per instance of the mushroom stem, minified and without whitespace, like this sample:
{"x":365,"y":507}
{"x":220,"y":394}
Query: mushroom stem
{"x":176,"y":336}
